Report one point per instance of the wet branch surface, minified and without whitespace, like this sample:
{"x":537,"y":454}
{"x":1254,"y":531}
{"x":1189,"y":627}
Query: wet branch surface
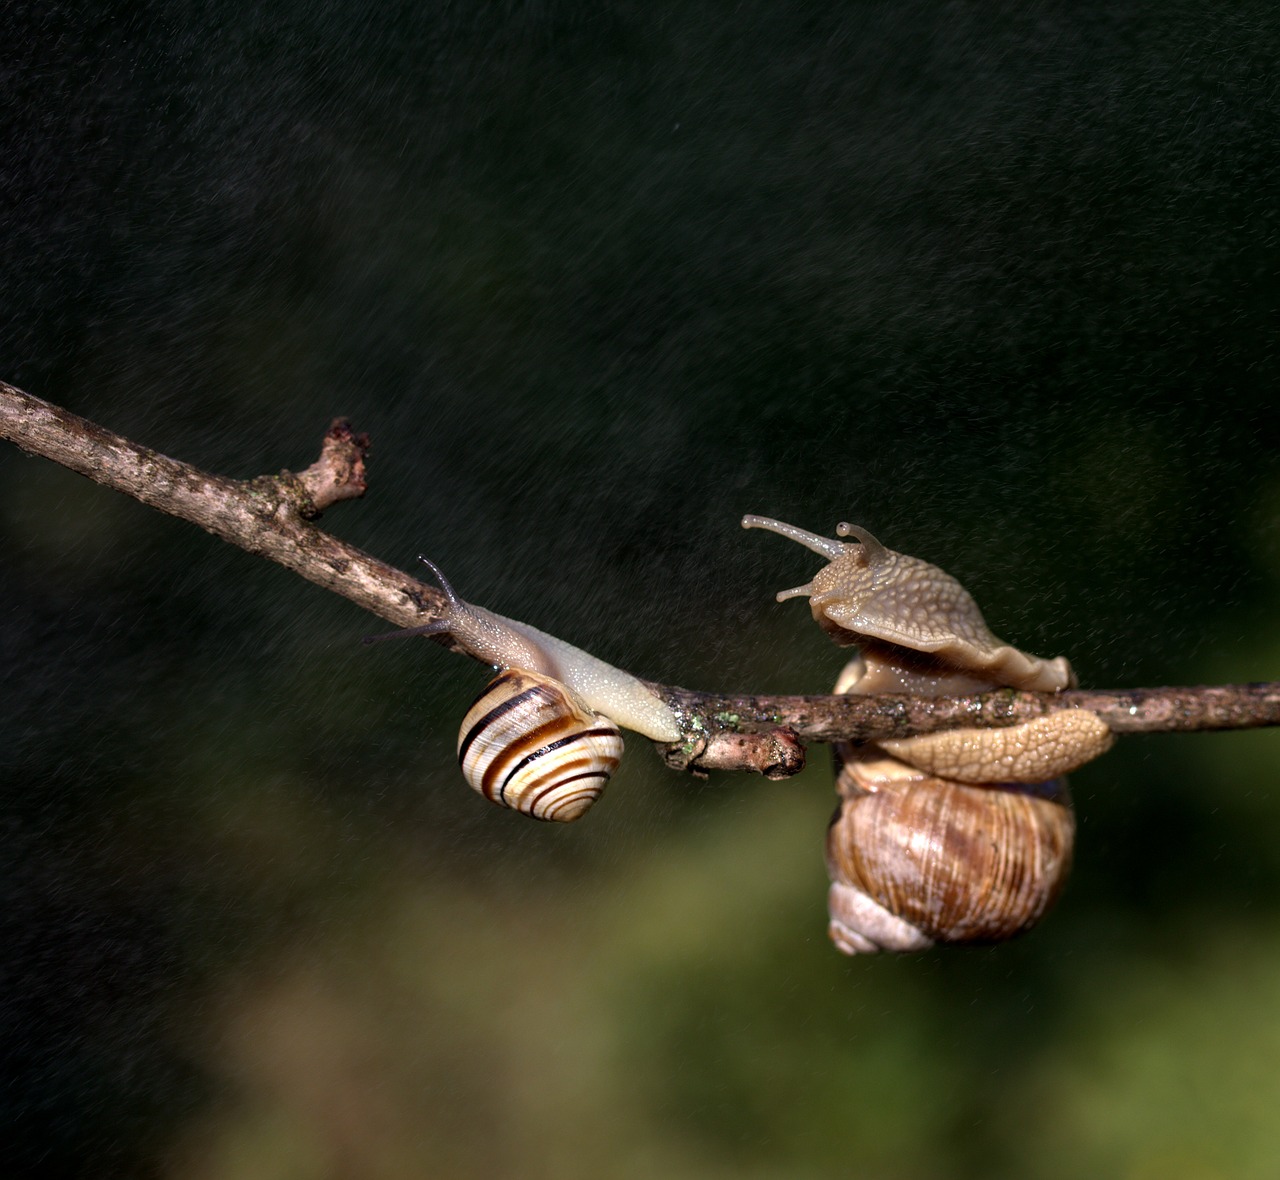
{"x":273,"y":515}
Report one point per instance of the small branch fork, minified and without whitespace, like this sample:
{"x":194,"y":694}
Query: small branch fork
{"x":272,"y":515}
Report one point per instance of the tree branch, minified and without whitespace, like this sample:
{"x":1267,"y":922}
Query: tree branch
{"x":268,"y":515}
{"x":271,"y":516}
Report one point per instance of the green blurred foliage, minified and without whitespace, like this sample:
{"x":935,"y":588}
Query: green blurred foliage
{"x":998,"y":282}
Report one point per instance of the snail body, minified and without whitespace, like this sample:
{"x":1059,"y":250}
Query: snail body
{"x":508,"y":643}
{"x":960,"y":836}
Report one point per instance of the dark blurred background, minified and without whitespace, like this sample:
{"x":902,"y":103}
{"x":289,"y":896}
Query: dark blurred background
{"x":997,"y":281}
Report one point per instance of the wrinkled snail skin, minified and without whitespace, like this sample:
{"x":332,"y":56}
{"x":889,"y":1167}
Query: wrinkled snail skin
{"x":960,"y":836}
{"x":529,"y":744}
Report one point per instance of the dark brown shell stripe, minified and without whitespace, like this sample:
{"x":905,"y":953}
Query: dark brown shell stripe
{"x":567,"y":802}
{"x":528,"y":744}
{"x":561,"y":767}
{"x":501,"y":709}
{"x":514,"y":748}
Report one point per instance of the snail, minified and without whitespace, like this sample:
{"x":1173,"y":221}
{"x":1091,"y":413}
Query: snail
{"x":543,"y":736}
{"x":959,"y":836}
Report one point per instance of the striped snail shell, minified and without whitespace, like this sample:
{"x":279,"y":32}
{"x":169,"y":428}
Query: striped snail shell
{"x":528,"y":743}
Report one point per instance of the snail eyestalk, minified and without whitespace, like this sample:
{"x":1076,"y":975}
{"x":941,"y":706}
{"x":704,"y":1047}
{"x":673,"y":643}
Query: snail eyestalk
{"x":871,"y":548}
{"x":448,"y":590}
{"x":824,"y":545}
